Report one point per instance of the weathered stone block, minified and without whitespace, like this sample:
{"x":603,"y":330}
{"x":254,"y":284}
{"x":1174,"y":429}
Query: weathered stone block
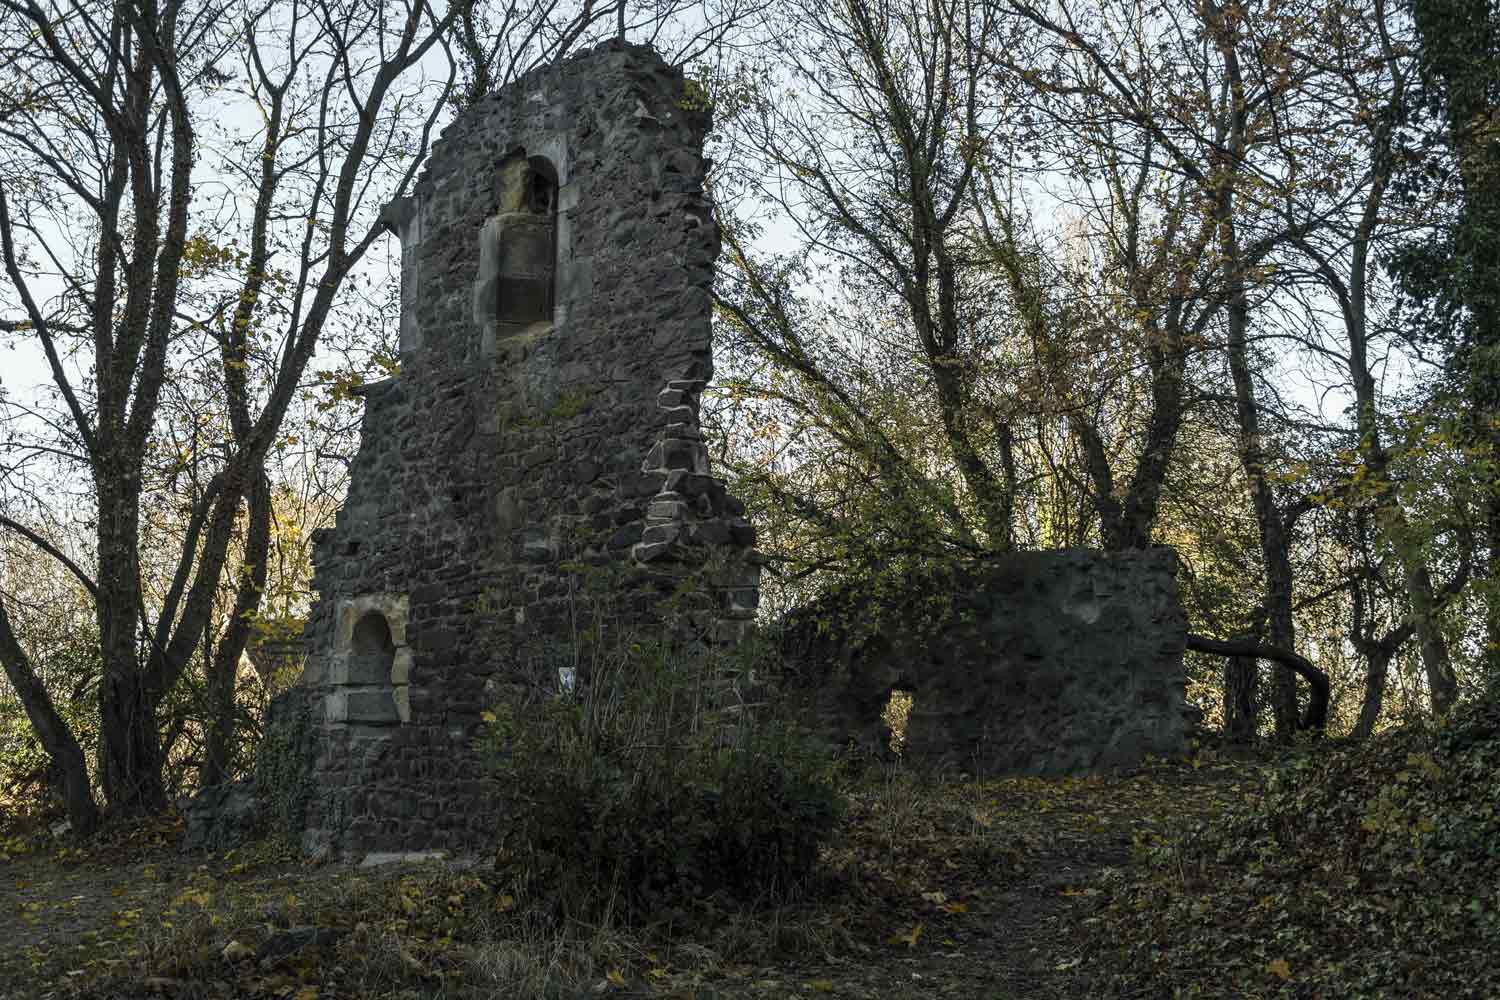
{"x":372,"y":707}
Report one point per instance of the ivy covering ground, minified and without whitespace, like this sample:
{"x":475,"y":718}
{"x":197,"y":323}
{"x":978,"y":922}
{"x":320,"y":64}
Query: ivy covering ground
{"x":1359,"y":870}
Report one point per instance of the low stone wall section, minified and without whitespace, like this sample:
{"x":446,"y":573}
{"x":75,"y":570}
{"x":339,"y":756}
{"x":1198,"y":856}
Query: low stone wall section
{"x":1044,"y":663}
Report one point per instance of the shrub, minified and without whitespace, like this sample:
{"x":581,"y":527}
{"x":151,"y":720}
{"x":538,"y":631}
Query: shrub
{"x":653,"y":784}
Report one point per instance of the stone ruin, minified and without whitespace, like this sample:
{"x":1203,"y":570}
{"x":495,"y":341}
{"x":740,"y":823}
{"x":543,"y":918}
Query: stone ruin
{"x":556,"y":260}
{"x":557,"y":255}
{"x":1057,"y":662}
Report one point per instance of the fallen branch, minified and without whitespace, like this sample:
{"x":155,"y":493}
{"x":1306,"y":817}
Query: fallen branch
{"x":1316,"y":715}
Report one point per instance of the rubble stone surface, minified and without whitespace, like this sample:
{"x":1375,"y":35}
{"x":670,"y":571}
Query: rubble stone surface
{"x":1059,"y":662}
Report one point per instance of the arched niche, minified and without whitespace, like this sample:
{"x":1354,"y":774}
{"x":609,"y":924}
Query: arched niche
{"x":518,"y":265}
{"x":372,"y":664}
{"x":372,"y":652}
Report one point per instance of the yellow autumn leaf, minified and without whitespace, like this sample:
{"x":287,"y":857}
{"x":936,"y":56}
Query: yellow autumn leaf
{"x":1279,"y":968}
{"x":821,"y":985}
{"x":487,"y":716}
{"x":616,"y":977}
{"x":954,"y":907}
{"x":910,"y":938}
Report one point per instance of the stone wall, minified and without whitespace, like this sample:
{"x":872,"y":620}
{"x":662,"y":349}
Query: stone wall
{"x":1063,"y":662}
{"x":557,"y":255}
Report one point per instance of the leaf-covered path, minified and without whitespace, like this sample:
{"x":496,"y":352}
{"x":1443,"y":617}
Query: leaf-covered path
{"x":934,"y":889}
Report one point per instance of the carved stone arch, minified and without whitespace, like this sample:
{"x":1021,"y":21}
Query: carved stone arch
{"x":371,"y":668}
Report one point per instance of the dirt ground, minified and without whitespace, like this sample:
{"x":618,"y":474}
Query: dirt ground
{"x":949,"y":889}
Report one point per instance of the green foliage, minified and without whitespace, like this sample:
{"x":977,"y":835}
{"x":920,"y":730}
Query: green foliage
{"x":65,"y":640}
{"x":650,"y":788}
{"x":1358,"y":870}
{"x":916,"y":597}
{"x":23,"y":763}
{"x":570,"y":403}
{"x":283,"y":782}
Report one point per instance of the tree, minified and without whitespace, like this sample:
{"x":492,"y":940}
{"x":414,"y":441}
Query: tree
{"x":1453,"y":275}
{"x":1194,"y":95}
{"x":1114,"y":359}
{"x":872,"y":151}
{"x":1363,"y":106}
{"x":121,"y":267}
{"x":495,"y":43}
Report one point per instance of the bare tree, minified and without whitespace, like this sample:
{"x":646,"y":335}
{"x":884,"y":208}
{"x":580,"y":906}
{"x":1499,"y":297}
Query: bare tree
{"x":868,"y":133}
{"x":120,"y":272}
{"x":498,"y":42}
{"x":1367,"y":76}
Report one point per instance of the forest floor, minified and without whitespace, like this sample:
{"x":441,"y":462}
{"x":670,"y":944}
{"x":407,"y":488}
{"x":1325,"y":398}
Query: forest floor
{"x":936,"y":888}
{"x":1183,"y":878}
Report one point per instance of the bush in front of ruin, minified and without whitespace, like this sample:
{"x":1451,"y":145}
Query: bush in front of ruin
{"x":659,"y":782}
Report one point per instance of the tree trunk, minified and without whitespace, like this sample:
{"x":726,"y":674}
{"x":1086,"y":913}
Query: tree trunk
{"x":1241,"y":674}
{"x":1316,"y":715}
{"x":223,"y":670}
{"x":996,"y":504}
{"x":1442,"y":683}
{"x":1375,"y":674}
{"x":1130,"y":522}
{"x":64,"y":751}
{"x":129,"y":753}
{"x":1274,"y":548}
{"x":1143,"y":500}
{"x":1274,"y":540}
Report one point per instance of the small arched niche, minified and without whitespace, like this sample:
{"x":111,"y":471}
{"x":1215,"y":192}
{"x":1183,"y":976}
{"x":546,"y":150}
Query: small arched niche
{"x":372,"y":667}
{"x":372,"y":658}
{"x":372,"y":651}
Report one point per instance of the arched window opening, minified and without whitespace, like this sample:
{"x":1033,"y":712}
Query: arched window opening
{"x":526,"y":291}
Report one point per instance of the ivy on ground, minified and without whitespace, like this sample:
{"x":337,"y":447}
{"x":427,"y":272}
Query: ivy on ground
{"x":1366,"y":869}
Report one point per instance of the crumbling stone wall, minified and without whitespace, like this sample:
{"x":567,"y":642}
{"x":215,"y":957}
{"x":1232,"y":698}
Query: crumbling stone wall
{"x":556,"y":260}
{"x":1063,"y":662}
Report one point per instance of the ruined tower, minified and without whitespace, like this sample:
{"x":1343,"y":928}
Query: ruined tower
{"x":557,"y":255}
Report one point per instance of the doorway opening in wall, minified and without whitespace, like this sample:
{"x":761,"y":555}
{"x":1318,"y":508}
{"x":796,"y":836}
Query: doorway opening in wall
{"x":895,"y":714}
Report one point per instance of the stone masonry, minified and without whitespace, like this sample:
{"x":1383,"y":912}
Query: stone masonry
{"x":542,"y":434}
{"x":557,"y":255}
{"x":1062,"y":662}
